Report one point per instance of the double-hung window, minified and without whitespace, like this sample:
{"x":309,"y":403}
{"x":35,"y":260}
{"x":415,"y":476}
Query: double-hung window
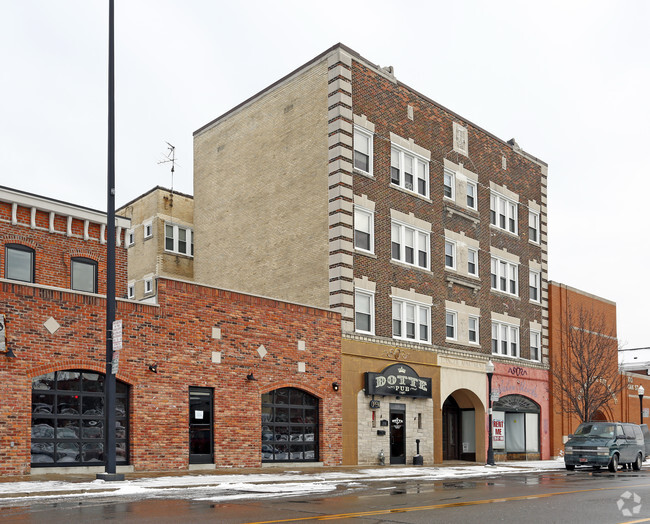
{"x":409,"y":171}
{"x":503,"y":212}
{"x":19,"y":262}
{"x":451,"y":323}
{"x":409,"y":245}
{"x":534,"y":280}
{"x":449,"y":184}
{"x":533,"y":226}
{"x":83,"y":274}
{"x":504,"y":276}
{"x":364,"y":311}
{"x":411,"y":321}
{"x":472,"y":329}
{"x":505,"y":339}
{"x":472,"y":262}
{"x":363,"y":150}
{"x":450,"y":254}
{"x":471,"y":194}
{"x":535,"y":345}
{"x":364,"y":229}
{"x":178,"y":239}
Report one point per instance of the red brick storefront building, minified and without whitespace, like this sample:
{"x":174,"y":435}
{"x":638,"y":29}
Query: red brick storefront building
{"x":254,"y":379}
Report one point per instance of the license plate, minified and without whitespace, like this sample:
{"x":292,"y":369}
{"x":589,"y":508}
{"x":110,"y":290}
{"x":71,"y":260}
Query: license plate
{"x":582,"y":459}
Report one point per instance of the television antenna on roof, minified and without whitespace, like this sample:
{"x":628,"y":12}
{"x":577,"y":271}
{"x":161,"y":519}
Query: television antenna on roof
{"x":170,"y":157}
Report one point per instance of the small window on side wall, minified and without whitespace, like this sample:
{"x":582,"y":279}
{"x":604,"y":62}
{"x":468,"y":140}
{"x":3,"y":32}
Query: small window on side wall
{"x":83,"y":275}
{"x":19,"y":263}
{"x":148,"y":229}
{"x":148,"y":286}
{"x":130,"y":292}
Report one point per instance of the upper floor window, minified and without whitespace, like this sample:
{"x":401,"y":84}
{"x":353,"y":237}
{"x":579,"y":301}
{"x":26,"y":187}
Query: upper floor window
{"x":19,"y":262}
{"x":409,"y":171}
{"x":130,"y":291}
{"x":411,"y":321}
{"x":450,"y":254}
{"x":83,"y":275}
{"x":148,"y":285}
{"x":472,"y":261}
{"x":471,"y":194}
{"x":178,"y":239}
{"x":533,"y":226}
{"x":535,"y":345}
{"x":130,"y":237}
{"x":472,"y":329}
{"x":148,"y":229}
{"x":504,"y":276}
{"x":505,"y":339}
{"x":364,"y":311}
{"x":449,"y":184}
{"x":534,"y":281}
{"x":503,"y":212}
{"x":451,"y":320}
{"x":409,"y":245}
{"x":363,"y":150}
{"x":364,"y":229}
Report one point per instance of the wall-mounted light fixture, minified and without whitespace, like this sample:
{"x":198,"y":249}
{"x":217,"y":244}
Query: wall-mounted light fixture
{"x":250,"y":376}
{"x":153,"y":367}
{"x":335,"y":386}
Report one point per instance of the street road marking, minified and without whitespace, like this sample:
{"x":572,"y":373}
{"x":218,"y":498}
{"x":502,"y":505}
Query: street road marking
{"x":448,"y":505}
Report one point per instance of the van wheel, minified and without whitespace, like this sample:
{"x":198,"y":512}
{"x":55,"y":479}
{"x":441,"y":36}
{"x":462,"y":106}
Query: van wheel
{"x":570,"y":467}
{"x":613,"y":463}
{"x":636,"y":466}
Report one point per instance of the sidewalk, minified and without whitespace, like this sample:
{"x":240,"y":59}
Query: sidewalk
{"x":230,"y":484}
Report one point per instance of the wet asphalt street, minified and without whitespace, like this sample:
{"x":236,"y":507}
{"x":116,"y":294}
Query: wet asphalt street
{"x":583,"y":496}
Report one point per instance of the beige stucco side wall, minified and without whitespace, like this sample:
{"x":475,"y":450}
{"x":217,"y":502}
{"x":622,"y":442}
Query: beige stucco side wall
{"x":261,"y":192}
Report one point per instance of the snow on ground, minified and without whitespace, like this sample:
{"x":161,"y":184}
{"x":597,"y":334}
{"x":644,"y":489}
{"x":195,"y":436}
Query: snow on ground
{"x":254,"y":485}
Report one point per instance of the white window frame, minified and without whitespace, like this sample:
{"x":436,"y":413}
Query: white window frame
{"x":371,"y":297}
{"x":371,"y":220}
{"x":474,"y":251}
{"x":504,"y":213}
{"x":130,"y":237}
{"x":450,"y":246}
{"x":536,"y":342}
{"x":474,"y":186}
{"x":505,"y":339}
{"x":130,"y":291}
{"x":473,"y":319}
{"x":535,"y":285}
{"x":148,"y":285}
{"x":398,"y":237}
{"x":363,"y":134}
{"x":419,"y":166}
{"x":501,"y":275}
{"x":189,"y":239}
{"x":533,"y":225}
{"x":451,"y":175}
{"x":451,"y":322}
{"x":421,"y":312}
{"x":148,"y":229}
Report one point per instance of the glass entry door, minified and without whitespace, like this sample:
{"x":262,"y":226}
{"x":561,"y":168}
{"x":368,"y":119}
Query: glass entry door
{"x":201,"y":438}
{"x":398,"y":434}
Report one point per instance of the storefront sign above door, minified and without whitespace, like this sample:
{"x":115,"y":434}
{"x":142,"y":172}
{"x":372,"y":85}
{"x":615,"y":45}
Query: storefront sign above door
{"x":398,"y":379}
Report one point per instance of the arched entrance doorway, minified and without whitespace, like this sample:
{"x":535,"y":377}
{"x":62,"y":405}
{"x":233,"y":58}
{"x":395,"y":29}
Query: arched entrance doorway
{"x":68,"y":419}
{"x":517,"y":418}
{"x":459,"y":426}
{"x":289,"y":426}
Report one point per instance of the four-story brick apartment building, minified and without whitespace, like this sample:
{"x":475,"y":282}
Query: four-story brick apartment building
{"x":340,"y":187}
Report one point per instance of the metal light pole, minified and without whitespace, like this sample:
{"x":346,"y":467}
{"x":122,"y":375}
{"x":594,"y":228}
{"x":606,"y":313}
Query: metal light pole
{"x":641,"y":392}
{"x":109,"y":382}
{"x":489,"y":369}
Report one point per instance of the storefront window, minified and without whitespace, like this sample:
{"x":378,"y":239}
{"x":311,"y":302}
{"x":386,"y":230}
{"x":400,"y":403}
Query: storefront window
{"x":516,"y":424}
{"x":289,"y":426}
{"x":68,"y":419}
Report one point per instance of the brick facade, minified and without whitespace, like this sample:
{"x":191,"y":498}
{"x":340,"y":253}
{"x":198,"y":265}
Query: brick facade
{"x":366,"y":99}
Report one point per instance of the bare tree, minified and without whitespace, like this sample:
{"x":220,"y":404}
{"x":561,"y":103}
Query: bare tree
{"x":585,"y":372}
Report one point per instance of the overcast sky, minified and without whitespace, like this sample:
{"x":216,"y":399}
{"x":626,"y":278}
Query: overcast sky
{"x":569,"y":80}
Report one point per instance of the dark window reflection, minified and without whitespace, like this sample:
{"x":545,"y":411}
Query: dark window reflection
{"x":289,"y":426}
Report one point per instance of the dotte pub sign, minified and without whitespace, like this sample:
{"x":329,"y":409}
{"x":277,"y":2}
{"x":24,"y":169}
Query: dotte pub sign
{"x":397,"y":379}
